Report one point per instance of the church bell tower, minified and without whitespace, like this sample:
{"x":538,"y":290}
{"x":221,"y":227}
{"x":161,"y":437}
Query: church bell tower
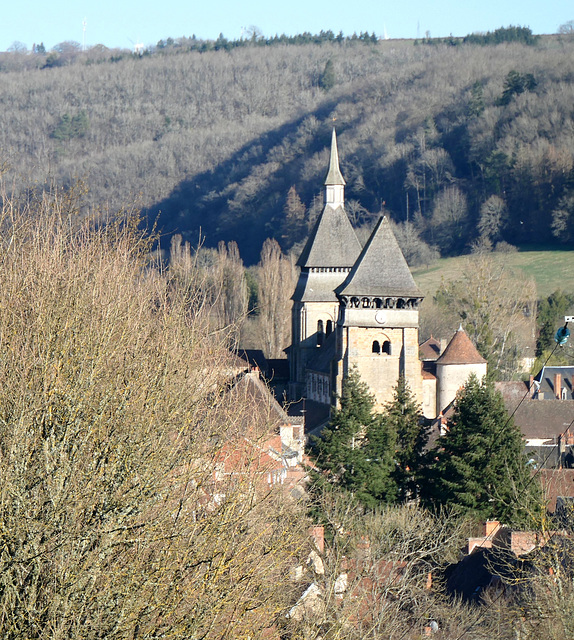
{"x":377,"y":329}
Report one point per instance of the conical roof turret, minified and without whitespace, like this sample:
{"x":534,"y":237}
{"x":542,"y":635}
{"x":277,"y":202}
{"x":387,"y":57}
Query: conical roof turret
{"x":461,"y":350}
{"x":381,"y":269}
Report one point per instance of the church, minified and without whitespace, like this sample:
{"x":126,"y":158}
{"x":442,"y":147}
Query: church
{"x":358,"y":306}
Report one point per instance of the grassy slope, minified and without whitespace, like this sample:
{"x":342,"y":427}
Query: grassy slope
{"x":551,"y":269}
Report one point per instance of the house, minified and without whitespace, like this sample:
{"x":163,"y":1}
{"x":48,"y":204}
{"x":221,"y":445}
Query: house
{"x":543,"y":409}
{"x":264,"y":448}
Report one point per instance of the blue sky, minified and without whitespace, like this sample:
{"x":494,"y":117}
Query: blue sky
{"x":120,"y":23}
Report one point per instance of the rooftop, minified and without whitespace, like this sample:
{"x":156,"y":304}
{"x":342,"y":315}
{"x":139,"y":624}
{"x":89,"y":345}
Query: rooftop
{"x":460,"y":350}
{"x":381,"y":269}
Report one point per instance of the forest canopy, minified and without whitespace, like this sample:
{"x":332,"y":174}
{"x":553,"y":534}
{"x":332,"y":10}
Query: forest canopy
{"x":438,"y":137}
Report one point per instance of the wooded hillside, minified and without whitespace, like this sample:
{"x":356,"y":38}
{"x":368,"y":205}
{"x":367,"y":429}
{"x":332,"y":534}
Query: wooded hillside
{"x":468,"y":142}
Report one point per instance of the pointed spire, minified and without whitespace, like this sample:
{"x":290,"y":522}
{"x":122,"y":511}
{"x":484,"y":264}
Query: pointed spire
{"x":334,"y":182}
{"x":334,"y":175}
{"x":381,"y":269}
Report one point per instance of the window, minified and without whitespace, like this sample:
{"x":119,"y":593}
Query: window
{"x":387,"y":347}
{"x":376,"y":347}
{"x":329,"y":330}
{"x":320,"y":333}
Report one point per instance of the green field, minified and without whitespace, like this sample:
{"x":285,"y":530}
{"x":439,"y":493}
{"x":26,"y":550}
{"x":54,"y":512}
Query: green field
{"x":551,"y":269}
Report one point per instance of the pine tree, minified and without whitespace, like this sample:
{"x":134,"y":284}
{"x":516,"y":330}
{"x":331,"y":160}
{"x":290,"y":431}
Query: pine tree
{"x":355,"y":452}
{"x":405,"y":418}
{"x":294,"y":225}
{"x":480,"y":466}
{"x":327,"y":79}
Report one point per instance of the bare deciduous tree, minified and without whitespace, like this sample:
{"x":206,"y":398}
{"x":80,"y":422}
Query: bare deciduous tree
{"x":113,"y":415}
{"x":277,"y":277}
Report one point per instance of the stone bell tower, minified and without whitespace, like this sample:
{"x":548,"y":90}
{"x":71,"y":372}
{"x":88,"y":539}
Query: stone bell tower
{"x":378,"y":324}
{"x":326,"y":260}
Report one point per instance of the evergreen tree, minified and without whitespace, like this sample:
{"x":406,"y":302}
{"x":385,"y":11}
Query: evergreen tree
{"x":404,"y":417}
{"x":327,"y":79}
{"x":480,"y":466}
{"x":550,"y":316}
{"x":294,"y":224}
{"x":355,"y":452}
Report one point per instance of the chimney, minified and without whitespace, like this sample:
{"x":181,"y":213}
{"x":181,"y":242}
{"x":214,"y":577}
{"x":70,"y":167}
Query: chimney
{"x":490,"y":526}
{"x":531,"y":387}
{"x":557,"y":385}
{"x":317,"y":533}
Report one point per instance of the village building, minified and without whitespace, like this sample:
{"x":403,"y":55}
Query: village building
{"x":358,"y":307}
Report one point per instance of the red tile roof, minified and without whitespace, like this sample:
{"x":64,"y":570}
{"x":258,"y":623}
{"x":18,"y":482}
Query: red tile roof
{"x":460,"y":350}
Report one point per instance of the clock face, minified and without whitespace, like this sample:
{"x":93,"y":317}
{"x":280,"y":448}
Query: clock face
{"x":380,"y":317}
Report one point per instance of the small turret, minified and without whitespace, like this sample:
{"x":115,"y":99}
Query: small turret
{"x":459,"y":360}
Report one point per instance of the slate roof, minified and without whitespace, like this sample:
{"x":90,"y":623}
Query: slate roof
{"x":460,"y":350}
{"x":332,"y":243}
{"x":334,"y":175}
{"x":316,"y":414}
{"x":546,"y":380}
{"x":315,"y":286}
{"x":537,"y":419}
{"x":381,"y":269}
{"x":321,"y":362}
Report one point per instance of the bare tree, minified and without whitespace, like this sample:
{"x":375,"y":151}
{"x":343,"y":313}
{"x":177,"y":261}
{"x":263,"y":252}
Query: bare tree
{"x":113,"y":417}
{"x":496,"y":307}
{"x":277,"y":276}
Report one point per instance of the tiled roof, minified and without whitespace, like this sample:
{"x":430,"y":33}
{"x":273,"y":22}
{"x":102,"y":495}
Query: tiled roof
{"x":332,"y":243}
{"x":381,"y":269}
{"x":430,"y":349}
{"x":460,"y":350}
{"x":266,"y":411}
{"x":557,"y":483}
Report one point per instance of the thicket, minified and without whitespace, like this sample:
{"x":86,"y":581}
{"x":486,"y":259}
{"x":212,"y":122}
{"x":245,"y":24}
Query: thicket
{"x":216,"y":140}
{"x":113,"y":415}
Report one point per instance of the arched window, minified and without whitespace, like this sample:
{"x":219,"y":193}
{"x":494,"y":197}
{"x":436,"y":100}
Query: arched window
{"x":387,"y":347}
{"x":376,"y":347}
{"x":320,"y":333}
{"x":329,"y":329}
{"x":400,"y":303}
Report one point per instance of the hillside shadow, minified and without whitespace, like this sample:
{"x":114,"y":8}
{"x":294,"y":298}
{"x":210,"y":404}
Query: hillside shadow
{"x":206,"y":205}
